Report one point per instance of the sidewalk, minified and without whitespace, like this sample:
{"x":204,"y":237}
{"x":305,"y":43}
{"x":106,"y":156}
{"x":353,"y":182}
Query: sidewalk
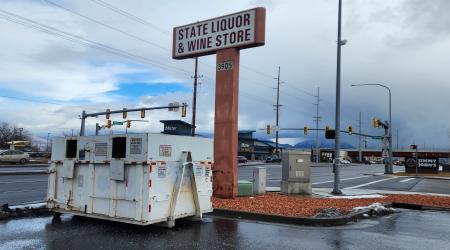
{"x":401,"y":174}
{"x":253,"y":163}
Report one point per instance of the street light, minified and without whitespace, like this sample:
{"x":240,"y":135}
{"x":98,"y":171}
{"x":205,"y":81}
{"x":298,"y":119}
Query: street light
{"x":389,"y":169}
{"x":337,"y":139}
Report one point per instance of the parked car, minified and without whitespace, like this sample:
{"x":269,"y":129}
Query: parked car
{"x":15,"y":156}
{"x":345,"y":162}
{"x":242,"y":159}
{"x":398,"y":163}
{"x":367,"y":162}
{"x":273,"y":159}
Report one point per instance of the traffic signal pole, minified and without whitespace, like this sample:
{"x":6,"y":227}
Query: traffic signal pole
{"x":359,"y":139}
{"x":85,"y":115}
{"x":337,"y":152}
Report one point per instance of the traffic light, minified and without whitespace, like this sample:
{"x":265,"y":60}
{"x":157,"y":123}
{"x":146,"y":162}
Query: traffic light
{"x":142,"y":113}
{"x":124,"y":114}
{"x":375,"y":123}
{"x":350,"y":130}
{"x":128,"y":124}
{"x":183,"y":109}
{"x":413,"y":146}
{"x":305,"y":130}
{"x":109,"y":124}
{"x":268,"y":129}
{"x":330,"y":133}
{"x":108,"y":114}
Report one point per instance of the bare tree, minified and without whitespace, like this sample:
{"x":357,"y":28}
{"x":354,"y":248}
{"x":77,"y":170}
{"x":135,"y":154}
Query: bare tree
{"x":12,"y":133}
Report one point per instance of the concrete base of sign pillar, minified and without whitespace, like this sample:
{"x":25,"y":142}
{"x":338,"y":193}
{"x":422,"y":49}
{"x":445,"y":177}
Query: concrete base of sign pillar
{"x":288,"y":187}
{"x":226,"y":125}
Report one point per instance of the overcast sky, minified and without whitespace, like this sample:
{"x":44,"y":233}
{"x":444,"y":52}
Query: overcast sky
{"x":46,"y":81}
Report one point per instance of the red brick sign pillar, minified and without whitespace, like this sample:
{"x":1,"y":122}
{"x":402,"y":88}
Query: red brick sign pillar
{"x":223,"y":36}
{"x":226,"y":124}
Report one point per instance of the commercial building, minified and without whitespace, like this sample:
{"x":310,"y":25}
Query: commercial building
{"x":253,"y":148}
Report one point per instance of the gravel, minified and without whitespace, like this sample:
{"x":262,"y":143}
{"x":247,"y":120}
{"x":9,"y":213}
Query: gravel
{"x":300,"y":206}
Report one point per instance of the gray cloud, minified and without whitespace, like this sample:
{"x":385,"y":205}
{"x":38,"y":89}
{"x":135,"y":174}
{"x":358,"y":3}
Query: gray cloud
{"x":401,"y":43}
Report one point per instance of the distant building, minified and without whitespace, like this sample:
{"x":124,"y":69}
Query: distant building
{"x":253,"y":148}
{"x":176,"y":127}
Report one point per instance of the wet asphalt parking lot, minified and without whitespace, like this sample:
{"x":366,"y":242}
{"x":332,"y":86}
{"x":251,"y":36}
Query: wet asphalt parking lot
{"x":408,"y":229}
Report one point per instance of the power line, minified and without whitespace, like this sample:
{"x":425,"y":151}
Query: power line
{"x":107,"y":25}
{"x":131,"y":16}
{"x":83,"y":41}
{"x":301,"y":90}
{"x":31,"y":100}
{"x":257,"y":72}
{"x":145,"y":22}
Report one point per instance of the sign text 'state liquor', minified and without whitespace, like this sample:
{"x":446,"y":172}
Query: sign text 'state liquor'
{"x":243,"y":29}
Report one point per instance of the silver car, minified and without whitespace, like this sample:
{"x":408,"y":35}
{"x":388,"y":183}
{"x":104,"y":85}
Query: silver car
{"x":15,"y":156}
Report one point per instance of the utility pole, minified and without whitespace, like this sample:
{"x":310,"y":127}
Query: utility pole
{"x":337,"y":152}
{"x":48,"y":138}
{"x":359,"y":141}
{"x":317,"y":120}
{"x":277,"y":108}
{"x":97,"y":129}
{"x":397,"y":139}
{"x":194,"y":99}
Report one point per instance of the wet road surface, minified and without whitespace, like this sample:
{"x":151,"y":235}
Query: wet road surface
{"x":405,"y":230}
{"x":20,"y":189}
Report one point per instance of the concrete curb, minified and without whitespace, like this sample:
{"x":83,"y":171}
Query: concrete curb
{"x":255,"y":164}
{"x":23,"y":172}
{"x":325,"y":192}
{"x":419,"y":207}
{"x":304,"y":221}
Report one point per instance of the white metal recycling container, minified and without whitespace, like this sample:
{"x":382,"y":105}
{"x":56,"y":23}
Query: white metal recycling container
{"x":134,"y":178}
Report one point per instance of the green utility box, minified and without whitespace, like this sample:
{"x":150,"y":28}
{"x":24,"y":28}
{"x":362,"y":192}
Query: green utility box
{"x":245,"y":188}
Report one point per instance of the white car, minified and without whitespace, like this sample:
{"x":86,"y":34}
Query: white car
{"x":345,"y":162}
{"x":15,"y":156}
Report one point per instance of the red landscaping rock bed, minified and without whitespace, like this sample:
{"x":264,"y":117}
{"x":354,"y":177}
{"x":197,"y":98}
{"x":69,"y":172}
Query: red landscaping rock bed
{"x":302,"y":206}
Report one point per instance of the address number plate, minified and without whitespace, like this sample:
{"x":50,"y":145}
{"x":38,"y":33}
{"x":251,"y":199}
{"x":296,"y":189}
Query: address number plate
{"x":222,"y":66}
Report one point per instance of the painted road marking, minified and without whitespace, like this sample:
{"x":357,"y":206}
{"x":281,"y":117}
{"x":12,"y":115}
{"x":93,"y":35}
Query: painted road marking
{"x":353,"y":178}
{"x":370,"y":183}
{"x":407,"y":179}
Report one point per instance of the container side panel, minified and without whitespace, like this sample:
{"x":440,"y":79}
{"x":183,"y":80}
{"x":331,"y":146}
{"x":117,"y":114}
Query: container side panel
{"x":163,"y":147}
